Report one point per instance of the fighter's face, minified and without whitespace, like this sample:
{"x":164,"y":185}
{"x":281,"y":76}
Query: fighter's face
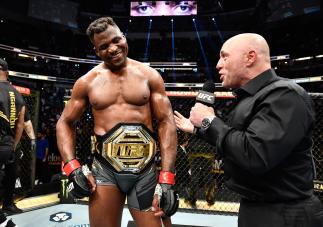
{"x":111,"y":46}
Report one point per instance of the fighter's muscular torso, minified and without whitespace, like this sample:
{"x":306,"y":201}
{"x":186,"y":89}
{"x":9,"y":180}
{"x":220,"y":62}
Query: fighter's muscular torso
{"x":122,"y":97}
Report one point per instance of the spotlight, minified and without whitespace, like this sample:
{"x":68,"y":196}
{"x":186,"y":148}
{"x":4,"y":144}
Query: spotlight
{"x":151,"y":20}
{"x":213,"y":19}
{"x":171,"y":20}
{"x":193,"y":19}
{"x":129,"y":20}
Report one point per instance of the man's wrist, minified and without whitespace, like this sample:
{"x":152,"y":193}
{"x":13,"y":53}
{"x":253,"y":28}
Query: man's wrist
{"x":166,"y":177}
{"x":206,"y":122}
{"x":70,"y":166}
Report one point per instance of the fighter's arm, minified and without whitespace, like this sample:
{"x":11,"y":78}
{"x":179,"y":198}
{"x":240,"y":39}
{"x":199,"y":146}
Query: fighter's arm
{"x":165,"y":200}
{"x":163,"y":112}
{"x":19,"y":126}
{"x":28,"y":126}
{"x":83,"y":182}
{"x":72,"y":112}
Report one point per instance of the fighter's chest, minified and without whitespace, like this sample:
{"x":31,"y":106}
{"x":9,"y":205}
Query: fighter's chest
{"x":118,"y":91}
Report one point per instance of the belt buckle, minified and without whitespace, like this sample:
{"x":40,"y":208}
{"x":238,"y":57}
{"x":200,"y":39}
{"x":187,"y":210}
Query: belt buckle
{"x":129,"y":148}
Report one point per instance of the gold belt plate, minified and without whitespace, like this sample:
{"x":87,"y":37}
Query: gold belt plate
{"x":129,"y":148}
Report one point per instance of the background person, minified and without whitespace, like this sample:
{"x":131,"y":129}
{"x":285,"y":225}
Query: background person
{"x":12,"y":110}
{"x":266,"y":142}
{"x":42,"y":147}
{"x":28,"y":127}
{"x":123,"y":94}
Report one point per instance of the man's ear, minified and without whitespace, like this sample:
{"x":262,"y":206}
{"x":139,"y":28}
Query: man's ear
{"x":251,"y":57}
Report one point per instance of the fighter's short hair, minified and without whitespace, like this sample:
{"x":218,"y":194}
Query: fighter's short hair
{"x":99,"y":25}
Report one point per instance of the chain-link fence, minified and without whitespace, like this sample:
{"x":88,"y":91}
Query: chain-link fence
{"x":199,"y":173}
{"x":26,"y":162}
{"x":318,"y":144}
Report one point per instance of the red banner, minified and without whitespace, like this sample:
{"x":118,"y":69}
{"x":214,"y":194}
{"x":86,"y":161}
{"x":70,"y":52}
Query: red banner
{"x":22,"y":90}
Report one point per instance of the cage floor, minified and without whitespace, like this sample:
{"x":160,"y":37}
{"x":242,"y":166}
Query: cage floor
{"x":46,"y":211}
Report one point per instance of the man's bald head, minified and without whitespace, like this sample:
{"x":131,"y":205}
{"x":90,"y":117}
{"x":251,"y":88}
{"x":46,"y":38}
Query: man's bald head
{"x":251,"y":42}
{"x":242,"y":58}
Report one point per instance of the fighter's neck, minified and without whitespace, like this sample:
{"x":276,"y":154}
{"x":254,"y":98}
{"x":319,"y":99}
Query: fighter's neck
{"x":121,"y":68}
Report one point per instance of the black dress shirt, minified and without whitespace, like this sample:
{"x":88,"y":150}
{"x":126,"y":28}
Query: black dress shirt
{"x":266,"y":141}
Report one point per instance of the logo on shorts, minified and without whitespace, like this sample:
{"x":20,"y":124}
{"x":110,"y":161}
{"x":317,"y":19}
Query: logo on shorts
{"x":60,"y":217}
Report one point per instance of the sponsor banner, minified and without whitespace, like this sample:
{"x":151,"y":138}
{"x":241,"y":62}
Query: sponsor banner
{"x":22,"y":90}
{"x":318,"y":186}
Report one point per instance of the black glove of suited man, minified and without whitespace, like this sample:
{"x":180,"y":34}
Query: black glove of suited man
{"x":78,"y":185}
{"x":168,"y":197}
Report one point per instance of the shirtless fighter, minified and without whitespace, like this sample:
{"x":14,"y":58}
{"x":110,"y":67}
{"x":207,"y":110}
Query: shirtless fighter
{"x":124,"y":95}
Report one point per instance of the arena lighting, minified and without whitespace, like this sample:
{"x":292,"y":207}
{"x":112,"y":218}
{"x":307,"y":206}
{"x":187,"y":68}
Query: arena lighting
{"x":218,"y":30}
{"x":167,"y":85}
{"x":24,"y":56}
{"x":173,"y":50}
{"x":280,"y":57}
{"x":171,"y":64}
{"x":127,"y":28}
{"x":48,"y":56}
{"x":148,"y":40}
{"x":202,"y":51}
{"x":173,"y":41}
{"x":303,"y":58}
{"x":16,"y":50}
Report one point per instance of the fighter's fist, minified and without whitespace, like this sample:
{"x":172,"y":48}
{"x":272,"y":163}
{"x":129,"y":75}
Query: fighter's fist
{"x":78,"y":185}
{"x":167,"y":196}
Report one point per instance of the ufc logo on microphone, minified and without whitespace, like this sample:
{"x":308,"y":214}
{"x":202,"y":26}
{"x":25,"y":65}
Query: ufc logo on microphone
{"x":205,"y":97}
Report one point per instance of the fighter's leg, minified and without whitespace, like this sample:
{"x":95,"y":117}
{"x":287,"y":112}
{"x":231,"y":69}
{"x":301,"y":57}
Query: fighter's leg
{"x":147,"y":219}
{"x":106,"y":206}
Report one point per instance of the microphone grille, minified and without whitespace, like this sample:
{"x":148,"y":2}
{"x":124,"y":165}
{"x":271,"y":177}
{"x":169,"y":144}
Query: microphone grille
{"x":209,"y":86}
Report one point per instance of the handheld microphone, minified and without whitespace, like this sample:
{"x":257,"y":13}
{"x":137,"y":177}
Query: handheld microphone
{"x":206,"y":95}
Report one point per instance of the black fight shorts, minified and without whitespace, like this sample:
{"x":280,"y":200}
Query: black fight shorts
{"x":139,"y":188}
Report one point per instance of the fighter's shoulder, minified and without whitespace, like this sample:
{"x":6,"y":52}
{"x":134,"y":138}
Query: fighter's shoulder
{"x":143,"y":68}
{"x":90,"y":75}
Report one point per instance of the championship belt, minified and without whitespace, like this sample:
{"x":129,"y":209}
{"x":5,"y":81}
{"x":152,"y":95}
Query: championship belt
{"x":128,"y":147}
